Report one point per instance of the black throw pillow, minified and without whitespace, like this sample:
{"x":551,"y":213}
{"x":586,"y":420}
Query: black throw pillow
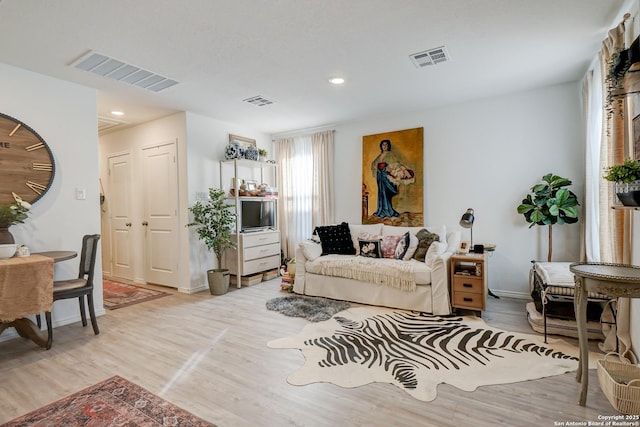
{"x":336,"y":239}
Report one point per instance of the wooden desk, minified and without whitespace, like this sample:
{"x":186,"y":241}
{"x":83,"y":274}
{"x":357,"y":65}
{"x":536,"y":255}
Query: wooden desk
{"x":614,"y":280}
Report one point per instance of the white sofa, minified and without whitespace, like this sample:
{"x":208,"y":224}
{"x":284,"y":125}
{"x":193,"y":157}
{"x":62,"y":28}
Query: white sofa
{"x":430,"y":293}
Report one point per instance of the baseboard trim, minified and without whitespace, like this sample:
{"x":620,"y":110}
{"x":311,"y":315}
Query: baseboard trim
{"x":511,"y":294}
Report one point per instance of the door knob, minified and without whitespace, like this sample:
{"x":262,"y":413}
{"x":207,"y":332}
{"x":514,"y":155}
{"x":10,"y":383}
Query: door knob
{"x":128,"y":224}
{"x":145,"y":223}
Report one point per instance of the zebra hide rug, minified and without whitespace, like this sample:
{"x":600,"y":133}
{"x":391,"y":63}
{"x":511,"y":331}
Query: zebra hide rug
{"x":416,"y":352}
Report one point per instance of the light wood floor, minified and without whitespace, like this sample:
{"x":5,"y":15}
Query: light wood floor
{"x":208,"y":355}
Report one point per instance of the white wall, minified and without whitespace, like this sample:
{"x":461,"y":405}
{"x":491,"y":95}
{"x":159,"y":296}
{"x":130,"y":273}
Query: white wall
{"x":207,"y":139}
{"x":133,"y":140}
{"x":65,"y":115}
{"x":201,"y":143}
{"x":485,"y":155}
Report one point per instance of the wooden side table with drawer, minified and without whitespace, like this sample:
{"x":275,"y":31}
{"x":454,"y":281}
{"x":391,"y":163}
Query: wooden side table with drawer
{"x":469,"y":281}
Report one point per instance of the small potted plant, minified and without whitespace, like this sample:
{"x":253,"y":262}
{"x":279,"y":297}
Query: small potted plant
{"x":263,"y":154}
{"x":627,"y":181}
{"x":214,"y":221}
{"x":10,"y":214}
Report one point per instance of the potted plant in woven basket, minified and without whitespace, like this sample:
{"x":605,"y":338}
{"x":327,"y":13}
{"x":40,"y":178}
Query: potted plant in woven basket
{"x":627,"y":181}
{"x":214,"y":221}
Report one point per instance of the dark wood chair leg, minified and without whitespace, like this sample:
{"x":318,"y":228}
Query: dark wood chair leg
{"x":92,"y":314}
{"x":47,"y":316}
{"x":83,"y":314}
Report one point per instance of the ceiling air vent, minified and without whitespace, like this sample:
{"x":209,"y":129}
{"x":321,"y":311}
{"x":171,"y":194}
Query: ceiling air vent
{"x":258,"y":100}
{"x":430,"y":57}
{"x":105,"y":66}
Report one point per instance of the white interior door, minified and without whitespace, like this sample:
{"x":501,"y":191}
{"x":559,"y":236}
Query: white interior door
{"x":161,"y":214}
{"x":120,"y":208}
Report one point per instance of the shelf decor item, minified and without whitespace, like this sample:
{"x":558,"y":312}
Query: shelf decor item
{"x":251,"y":153}
{"x":233,"y":151}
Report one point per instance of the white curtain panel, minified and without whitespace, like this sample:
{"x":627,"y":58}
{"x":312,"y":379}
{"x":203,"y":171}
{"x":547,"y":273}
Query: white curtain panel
{"x":593,"y":108}
{"x":322,"y":186}
{"x":605,"y":146}
{"x":306,"y":186}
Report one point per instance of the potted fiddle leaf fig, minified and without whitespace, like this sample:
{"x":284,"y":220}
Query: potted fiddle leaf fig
{"x":215,"y":220}
{"x":627,"y":181}
{"x":550,"y":203}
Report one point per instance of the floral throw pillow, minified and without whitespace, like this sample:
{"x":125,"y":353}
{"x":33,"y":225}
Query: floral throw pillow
{"x":389,"y":244}
{"x":370,"y":248}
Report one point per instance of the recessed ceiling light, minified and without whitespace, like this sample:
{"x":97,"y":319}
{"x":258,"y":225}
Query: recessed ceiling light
{"x":336,"y":80}
{"x":117,"y":113}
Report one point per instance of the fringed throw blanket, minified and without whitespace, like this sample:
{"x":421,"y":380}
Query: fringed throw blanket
{"x":382,"y":271}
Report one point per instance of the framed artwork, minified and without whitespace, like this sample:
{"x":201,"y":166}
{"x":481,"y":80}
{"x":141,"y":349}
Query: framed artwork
{"x":464,"y":247}
{"x":636,"y":138}
{"x":242,"y":140}
{"x":251,"y":185}
{"x":393,"y":177}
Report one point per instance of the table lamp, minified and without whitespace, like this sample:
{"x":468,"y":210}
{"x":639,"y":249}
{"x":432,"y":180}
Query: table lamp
{"x":467,"y":222}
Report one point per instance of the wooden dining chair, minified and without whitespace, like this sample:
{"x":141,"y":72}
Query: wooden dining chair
{"x":78,"y":288}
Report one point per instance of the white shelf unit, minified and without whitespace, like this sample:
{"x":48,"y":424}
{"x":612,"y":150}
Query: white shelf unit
{"x":256,"y":251}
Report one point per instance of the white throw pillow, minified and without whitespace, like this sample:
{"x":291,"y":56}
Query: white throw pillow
{"x":453,"y":240}
{"x":311,"y":250}
{"x":413,"y":246}
{"x":435,"y":250}
{"x":410,"y":249}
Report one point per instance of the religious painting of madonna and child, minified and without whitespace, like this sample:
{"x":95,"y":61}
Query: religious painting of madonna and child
{"x":392,"y":178}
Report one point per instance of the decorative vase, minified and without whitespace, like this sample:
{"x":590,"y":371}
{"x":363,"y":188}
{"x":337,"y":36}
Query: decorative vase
{"x":233,"y":151}
{"x":6,"y":236}
{"x":251,"y":153}
{"x":628,"y":193}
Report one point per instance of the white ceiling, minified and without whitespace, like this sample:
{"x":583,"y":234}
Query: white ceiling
{"x":223,"y":51}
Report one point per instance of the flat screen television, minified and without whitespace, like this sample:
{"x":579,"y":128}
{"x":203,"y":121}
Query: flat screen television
{"x":257,"y":215}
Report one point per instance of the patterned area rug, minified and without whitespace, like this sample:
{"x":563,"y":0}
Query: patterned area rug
{"x":118,"y":295}
{"x":416,"y":352}
{"x":113,"y":402}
